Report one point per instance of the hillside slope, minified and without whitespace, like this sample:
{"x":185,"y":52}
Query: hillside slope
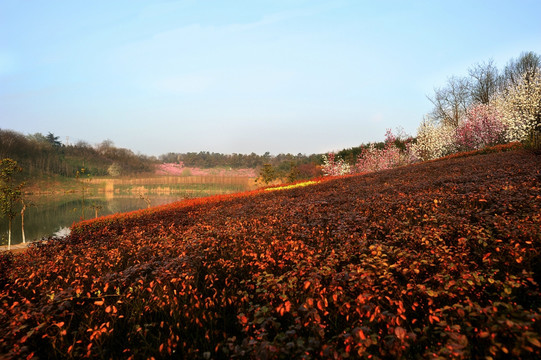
{"x":437,"y":259}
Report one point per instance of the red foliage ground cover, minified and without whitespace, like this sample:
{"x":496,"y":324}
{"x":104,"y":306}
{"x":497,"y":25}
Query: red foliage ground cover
{"x":440,"y":259}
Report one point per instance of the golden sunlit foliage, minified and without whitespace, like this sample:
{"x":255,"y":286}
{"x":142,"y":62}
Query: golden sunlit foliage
{"x":292,"y":186}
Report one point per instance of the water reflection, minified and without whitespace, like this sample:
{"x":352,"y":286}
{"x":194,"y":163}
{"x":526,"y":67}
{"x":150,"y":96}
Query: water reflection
{"x":53,"y":214}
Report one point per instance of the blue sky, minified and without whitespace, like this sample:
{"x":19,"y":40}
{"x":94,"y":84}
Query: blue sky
{"x":284,"y":76}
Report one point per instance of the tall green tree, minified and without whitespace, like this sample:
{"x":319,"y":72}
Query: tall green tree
{"x":294,"y":172}
{"x":267,"y":174}
{"x":10,"y":193}
{"x":53,"y":140}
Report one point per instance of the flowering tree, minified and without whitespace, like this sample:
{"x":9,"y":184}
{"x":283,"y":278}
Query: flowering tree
{"x":333,"y":167}
{"x":482,"y":127}
{"x":373,"y":159}
{"x":520,"y":106}
{"x":434,"y":140}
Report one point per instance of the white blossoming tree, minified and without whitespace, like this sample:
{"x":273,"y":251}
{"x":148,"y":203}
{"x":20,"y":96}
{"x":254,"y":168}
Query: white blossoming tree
{"x":434,"y":140}
{"x":520,"y":106}
{"x":333,"y":167}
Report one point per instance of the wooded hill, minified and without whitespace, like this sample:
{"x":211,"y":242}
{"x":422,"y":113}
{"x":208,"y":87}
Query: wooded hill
{"x":46,"y":155}
{"x":41,"y":154}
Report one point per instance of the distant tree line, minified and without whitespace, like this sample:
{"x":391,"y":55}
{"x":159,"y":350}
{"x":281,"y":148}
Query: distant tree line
{"x":40,"y":154}
{"x":282,"y":166}
{"x":44,"y":154}
{"x":205,"y":159}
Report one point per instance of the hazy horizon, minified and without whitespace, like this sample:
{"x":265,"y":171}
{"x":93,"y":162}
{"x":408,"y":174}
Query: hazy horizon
{"x":294,"y":76}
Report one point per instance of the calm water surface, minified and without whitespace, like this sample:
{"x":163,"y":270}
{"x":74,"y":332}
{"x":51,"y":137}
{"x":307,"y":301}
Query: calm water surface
{"x":56,"y":213}
{"x":52,"y":214}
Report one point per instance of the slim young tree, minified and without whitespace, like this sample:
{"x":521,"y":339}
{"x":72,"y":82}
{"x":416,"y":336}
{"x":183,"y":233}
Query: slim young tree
{"x":142,"y":196}
{"x":10,"y":193}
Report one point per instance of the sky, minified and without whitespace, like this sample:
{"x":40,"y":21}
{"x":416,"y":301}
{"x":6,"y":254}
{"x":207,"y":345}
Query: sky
{"x":231,"y":76}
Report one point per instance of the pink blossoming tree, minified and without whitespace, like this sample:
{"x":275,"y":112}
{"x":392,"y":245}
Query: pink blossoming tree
{"x":374,"y":159}
{"x":482,"y":127}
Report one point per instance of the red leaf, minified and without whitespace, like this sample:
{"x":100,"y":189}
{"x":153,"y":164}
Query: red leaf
{"x":400,"y":332}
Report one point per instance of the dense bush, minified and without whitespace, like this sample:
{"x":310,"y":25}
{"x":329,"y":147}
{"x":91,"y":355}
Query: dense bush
{"x":435,"y":260}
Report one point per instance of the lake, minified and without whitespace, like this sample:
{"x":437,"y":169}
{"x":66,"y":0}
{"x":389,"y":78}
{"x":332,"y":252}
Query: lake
{"x":56,"y":213}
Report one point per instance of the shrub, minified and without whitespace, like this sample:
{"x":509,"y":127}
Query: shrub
{"x":114,"y":170}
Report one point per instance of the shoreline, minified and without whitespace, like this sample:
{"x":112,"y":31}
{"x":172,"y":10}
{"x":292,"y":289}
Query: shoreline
{"x":15,"y":249}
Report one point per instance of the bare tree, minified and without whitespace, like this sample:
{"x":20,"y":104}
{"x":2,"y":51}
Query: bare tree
{"x":451,"y":102}
{"x":105,"y":146}
{"x":528,"y":64}
{"x":485,"y":81}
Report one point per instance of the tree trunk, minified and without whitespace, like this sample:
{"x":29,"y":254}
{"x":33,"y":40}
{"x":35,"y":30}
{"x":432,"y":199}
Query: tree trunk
{"x":9,"y":235}
{"x":22,"y":222}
